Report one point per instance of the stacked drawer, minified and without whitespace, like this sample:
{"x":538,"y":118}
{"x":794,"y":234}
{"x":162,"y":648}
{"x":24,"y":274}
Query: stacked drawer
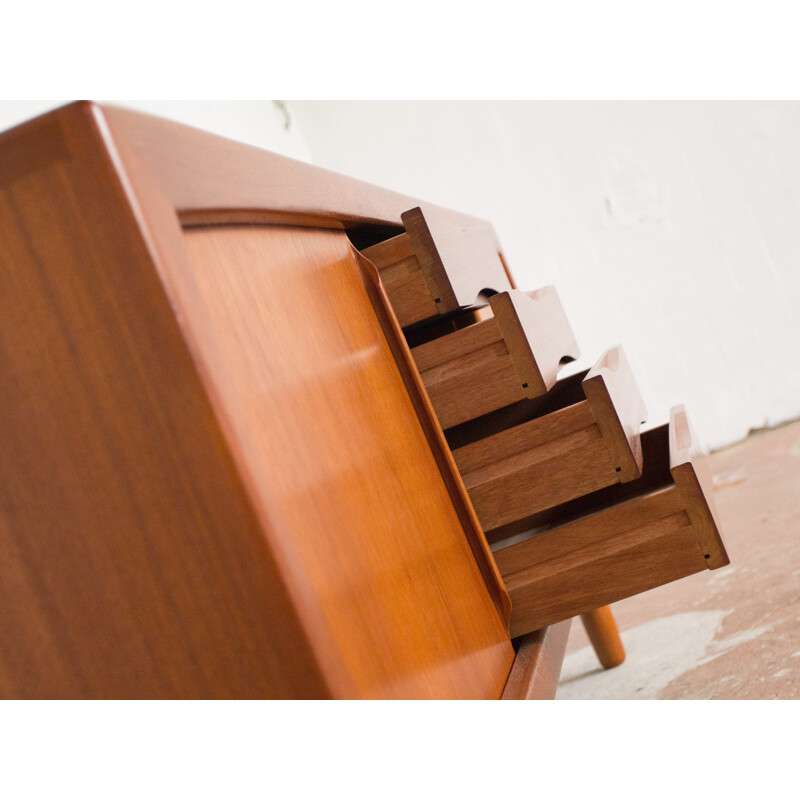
{"x":581,"y":508}
{"x":509,"y":356}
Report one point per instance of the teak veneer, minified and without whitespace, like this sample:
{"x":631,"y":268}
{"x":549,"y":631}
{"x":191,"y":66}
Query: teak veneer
{"x":620,"y":541}
{"x":537,"y":666}
{"x":222,"y":474}
{"x":220,"y":479}
{"x":512,"y":355}
{"x":437,"y":266}
{"x":582,"y":436}
{"x":403,"y":279}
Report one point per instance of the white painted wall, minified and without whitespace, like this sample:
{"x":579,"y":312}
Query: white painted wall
{"x":671,"y":228}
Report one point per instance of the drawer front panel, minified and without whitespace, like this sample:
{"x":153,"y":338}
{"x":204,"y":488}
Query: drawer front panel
{"x":618,"y":543}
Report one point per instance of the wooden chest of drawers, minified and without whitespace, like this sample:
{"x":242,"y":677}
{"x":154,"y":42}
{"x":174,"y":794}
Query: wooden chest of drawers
{"x":222,"y":472}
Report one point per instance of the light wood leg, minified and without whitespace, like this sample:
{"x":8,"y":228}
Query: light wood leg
{"x":604,"y":636}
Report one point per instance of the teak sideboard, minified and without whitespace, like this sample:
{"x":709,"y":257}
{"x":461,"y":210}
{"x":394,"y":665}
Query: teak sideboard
{"x":260,"y":423}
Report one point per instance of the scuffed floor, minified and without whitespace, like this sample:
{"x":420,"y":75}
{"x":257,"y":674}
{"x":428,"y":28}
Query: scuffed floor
{"x":731,"y":633}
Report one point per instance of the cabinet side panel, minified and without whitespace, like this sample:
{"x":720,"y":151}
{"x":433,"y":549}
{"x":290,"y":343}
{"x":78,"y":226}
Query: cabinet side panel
{"x":327,"y":433}
{"x":131,"y":562}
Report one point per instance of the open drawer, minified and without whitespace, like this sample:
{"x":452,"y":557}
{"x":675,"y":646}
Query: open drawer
{"x":403,"y":279}
{"x":618,"y":541}
{"x":513,"y":354}
{"x":443,"y":262}
{"x":581,"y":436}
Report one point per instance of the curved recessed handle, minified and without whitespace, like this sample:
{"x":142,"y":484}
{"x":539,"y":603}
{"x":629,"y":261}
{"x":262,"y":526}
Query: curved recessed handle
{"x":537,"y":334}
{"x":618,"y":410}
{"x":458,"y":255}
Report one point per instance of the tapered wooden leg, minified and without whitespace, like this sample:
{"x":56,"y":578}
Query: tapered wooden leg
{"x":604,"y":636}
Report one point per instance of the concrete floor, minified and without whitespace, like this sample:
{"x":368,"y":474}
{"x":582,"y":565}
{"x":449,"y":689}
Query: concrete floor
{"x":731,"y":633}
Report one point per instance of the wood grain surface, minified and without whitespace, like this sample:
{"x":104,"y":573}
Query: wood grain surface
{"x":468,"y":373}
{"x":210,"y":179}
{"x":436,"y":440}
{"x":500,"y":360}
{"x":132,"y":563}
{"x":293,"y":188}
{"x":689,"y":468}
{"x":608,"y":553}
{"x":618,"y":409}
{"x":324,"y":426}
{"x":538,"y":336}
{"x":537,"y":667}
{"x":534,"y":466}
{"x":576,"y":448}
{"x":598,"y":560}
{"x":402,"y":279}
{"x":175,"y":526}
{"x":460,"y":261}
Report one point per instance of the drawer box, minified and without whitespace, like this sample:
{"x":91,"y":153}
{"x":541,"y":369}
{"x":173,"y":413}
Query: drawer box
{"x":403,"y":280}
{"x":581,"y":436}
{"x":512,"y":355}
{"x":443,"y":262}
{"x":619,"y":541}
